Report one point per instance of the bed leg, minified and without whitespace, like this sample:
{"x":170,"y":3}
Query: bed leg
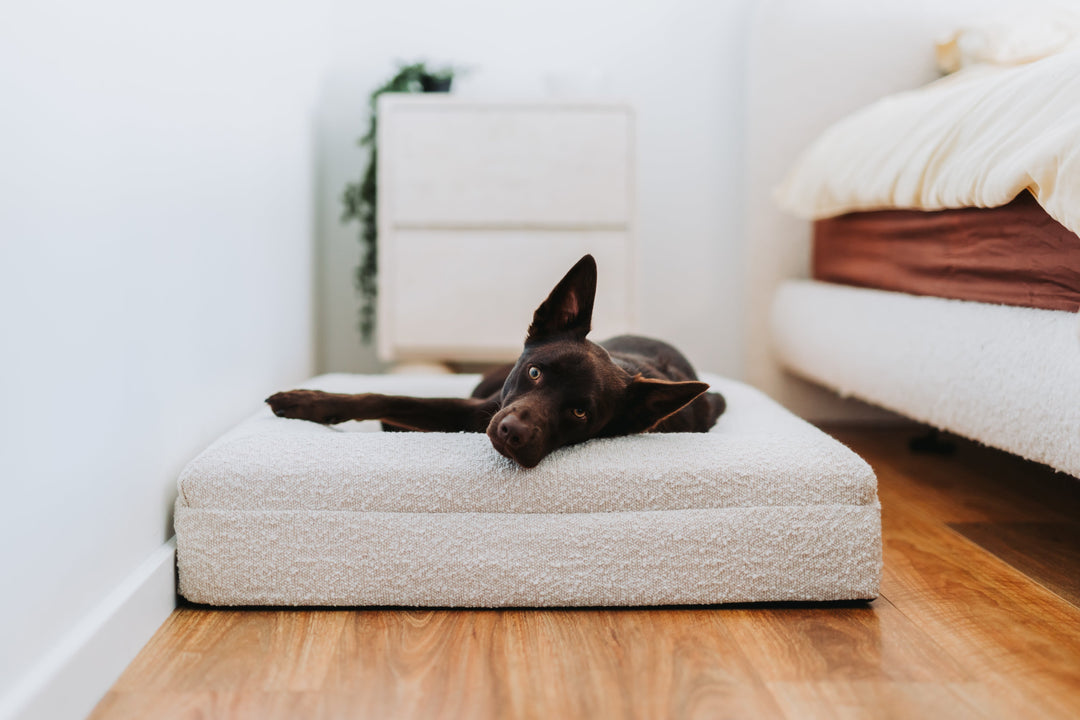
{"x":931,"y":444}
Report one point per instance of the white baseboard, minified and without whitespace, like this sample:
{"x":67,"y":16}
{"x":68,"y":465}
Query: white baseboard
{"x":70,"y":680}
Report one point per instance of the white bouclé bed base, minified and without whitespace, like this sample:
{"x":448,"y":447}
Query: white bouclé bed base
{"x":763,"y":508}
{"x":1008,"y":377}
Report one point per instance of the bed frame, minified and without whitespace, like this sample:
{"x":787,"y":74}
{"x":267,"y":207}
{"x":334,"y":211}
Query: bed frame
{"x":811,"y":63}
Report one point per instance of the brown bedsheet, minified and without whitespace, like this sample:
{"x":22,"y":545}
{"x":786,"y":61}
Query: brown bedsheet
{"x":1012,"y":255}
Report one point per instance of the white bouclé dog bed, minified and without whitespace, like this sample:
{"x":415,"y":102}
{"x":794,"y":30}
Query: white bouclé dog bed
{"x":765,"y":507}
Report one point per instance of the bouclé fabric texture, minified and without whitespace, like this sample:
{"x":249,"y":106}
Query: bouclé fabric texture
{"x":765,"y":507}
{"x":1008,"y":377}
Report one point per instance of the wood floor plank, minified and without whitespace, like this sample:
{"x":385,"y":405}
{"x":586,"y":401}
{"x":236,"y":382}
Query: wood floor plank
{"x":1003,"y":623}
{"x":416,"y":663}
{"x":823,"y":644}
{"x":876,"y":700}
{"x":1047,"y":552}
{"x":515,"y":663}
{"x":965,"y":486}
{"x":227,"y":649}
{"x":968,"y":625}
{"x":1020,"y":638}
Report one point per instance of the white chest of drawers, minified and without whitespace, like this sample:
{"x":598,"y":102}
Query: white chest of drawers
{"x":482,"y":206}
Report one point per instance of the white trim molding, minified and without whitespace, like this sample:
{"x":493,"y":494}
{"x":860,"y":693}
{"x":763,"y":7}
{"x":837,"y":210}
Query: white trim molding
{"x":70,"y":680}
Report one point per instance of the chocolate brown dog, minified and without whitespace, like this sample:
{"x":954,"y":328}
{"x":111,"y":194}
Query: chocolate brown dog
{"x":563,"y":389}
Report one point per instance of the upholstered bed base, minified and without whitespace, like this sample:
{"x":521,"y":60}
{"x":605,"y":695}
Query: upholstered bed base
{"x":763,"y":508}
{"x":1006,"y":376}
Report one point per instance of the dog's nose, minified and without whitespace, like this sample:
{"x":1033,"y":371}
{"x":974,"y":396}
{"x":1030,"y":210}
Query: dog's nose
{"x":513,"y":431}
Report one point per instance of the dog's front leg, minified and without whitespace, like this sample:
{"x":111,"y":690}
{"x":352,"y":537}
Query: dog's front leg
{"x":321,"y":407}
{"x":431,"y":414}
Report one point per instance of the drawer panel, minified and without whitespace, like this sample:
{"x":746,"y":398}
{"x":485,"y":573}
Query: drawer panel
{"x":470,"y":295}
{"x":466,"y":165}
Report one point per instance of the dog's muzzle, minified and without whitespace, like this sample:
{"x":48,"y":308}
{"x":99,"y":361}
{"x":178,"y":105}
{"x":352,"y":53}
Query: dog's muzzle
{"x":516,"y":438}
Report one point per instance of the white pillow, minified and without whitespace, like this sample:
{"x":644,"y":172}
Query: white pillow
{"x":1019,"y":37}
{"x":977,"y":138}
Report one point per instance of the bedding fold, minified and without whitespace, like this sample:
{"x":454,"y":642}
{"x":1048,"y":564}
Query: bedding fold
{"x":977,"y":138}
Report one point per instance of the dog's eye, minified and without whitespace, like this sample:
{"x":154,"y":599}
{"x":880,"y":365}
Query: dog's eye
{"x":579,"y":413}
{"x":534,"y":372}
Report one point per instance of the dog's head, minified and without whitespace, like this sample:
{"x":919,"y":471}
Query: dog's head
{"x":565,"y":389}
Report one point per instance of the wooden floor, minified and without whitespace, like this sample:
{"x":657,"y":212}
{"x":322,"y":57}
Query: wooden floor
{"x":977,"y":617}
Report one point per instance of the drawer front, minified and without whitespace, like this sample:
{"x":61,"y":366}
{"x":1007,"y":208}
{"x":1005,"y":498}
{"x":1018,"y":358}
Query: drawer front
{"x":470,"y":295}
{"x":451,"y":165}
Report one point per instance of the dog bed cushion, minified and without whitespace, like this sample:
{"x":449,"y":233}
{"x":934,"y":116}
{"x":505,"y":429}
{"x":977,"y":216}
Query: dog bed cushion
{"x":765,"y":507}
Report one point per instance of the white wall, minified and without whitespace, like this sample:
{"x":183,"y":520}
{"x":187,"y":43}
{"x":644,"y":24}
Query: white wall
{"x":681,"y":63}
{"x":163,"y":171}
{"x":155,"y":277}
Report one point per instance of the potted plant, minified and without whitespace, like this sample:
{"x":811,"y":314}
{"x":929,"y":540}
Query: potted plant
{"x":359,"y":198}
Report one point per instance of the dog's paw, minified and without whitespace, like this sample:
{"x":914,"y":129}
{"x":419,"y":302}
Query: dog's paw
{"x":314,"y":405}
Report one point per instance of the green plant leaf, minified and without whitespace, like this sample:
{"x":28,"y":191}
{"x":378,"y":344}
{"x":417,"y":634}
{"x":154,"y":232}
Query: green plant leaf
{"x":359,"y":199}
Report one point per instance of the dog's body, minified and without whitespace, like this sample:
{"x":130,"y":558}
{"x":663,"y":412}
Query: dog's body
{"x":562,"y":390}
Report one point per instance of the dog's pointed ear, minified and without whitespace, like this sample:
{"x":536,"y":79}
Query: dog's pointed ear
{"x":649,"y":402}
{"x":568,"y":309}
